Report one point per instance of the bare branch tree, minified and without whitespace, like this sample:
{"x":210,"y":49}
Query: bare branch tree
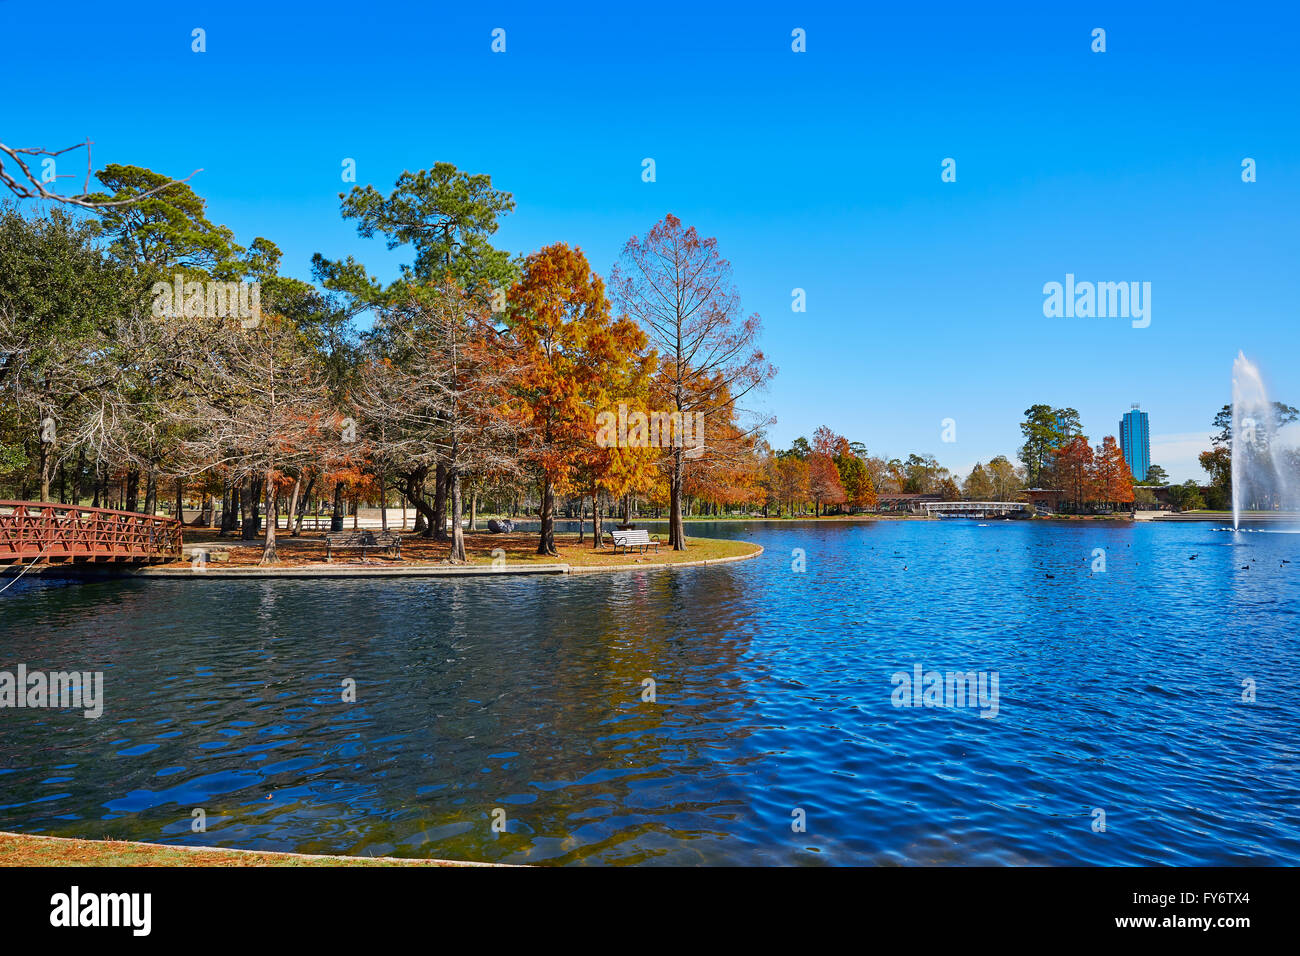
{"x":678,"y":288}
{"x":433,"y":394}
{"x":263,"y":407}
{"x":26,"y":184}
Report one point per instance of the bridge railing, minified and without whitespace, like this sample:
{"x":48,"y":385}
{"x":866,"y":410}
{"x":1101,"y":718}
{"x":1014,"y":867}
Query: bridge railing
{"x":30,"y":530}
{"x":974,"y":506}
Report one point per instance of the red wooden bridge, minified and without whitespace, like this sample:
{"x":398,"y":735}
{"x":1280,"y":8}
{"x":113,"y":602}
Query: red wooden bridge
{"x":40,"y":531}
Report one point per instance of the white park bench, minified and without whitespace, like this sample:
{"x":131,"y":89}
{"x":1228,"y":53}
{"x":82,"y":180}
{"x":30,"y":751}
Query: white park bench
{"x":637,"y":538}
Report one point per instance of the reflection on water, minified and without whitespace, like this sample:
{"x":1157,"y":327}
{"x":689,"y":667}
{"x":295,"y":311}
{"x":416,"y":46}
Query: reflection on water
{"x":1119,"y":691}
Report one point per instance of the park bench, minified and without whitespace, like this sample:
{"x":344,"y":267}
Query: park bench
{"x":363,"y":541}
{"x":627,"y":540}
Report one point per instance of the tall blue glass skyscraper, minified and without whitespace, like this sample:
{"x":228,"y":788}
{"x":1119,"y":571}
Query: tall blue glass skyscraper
{"x":1135,"y":442}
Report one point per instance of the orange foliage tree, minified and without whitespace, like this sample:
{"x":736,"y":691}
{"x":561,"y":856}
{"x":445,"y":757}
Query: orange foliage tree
{"x":1073,"y":470}
{"x":570,"y":350}
{"x":791,"y":481}
{"x":1113,"y":479}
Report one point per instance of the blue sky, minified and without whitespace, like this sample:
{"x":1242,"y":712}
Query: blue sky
{"x":817,"y":170}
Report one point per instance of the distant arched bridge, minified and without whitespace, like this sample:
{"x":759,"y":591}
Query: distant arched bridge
{"x":973,"y":509}
{"x":33,"y":531}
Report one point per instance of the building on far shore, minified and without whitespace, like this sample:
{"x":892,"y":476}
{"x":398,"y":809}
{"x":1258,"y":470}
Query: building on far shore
{"x":1046,"y":500}
{"x":1135,"y":442}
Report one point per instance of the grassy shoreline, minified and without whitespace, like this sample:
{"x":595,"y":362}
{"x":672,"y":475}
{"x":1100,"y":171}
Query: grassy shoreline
{"x":21,"y":849}
{"x":517,"y":549}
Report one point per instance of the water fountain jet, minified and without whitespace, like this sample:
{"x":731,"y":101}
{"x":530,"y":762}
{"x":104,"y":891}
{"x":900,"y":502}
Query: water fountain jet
{"x":1260,"y":460}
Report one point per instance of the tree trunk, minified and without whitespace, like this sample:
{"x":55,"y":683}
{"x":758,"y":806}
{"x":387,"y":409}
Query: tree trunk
{"x":597,"y":528}
{"x":252,"y":511}
{"x":132,"y":491}
{"x":336,"y":517}
{"x":421,"y":526}
{"x":293,"y":505}
{"x":46,"y":466}
{"x":546,"y":510}
{"x":180,"y":500}
{"x":301,"y":511}
{"x":383,"y":504}
{"x":230,"y":515}
{"x":582,"y":518}
{"x":423,"y":510}
{"x":457,"y":534}
{"x":440,"y":502}
{"x":676,"y":525}
{"x":268,"y":543}
{"x":473,"y":506}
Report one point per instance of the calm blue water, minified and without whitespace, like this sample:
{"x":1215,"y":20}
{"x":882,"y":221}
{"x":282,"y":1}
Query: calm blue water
{"x":1119,"y":691}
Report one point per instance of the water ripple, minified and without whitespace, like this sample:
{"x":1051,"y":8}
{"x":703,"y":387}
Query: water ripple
{"x":521,"y":699}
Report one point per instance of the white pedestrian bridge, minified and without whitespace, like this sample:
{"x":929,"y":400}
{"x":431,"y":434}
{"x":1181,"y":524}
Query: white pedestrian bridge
{"x":972,"y":509}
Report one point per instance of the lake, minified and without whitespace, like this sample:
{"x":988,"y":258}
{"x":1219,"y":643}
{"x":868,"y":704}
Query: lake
{"x":774,"y":736}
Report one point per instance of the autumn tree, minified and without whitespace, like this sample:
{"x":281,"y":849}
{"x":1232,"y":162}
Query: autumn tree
{"x":1072,"y":470}
{"x":717,"y":464}
{"x":792,"y":481}
{"x":679,"y":289}
{"x":732,"y":479}
{"x":766,"y":477}
{"x":1112,"y":481}
{"x":1218,"y":465}
{"x":824,"y":485}
{"x":570,"y":350}
{"x":613,"y":469}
